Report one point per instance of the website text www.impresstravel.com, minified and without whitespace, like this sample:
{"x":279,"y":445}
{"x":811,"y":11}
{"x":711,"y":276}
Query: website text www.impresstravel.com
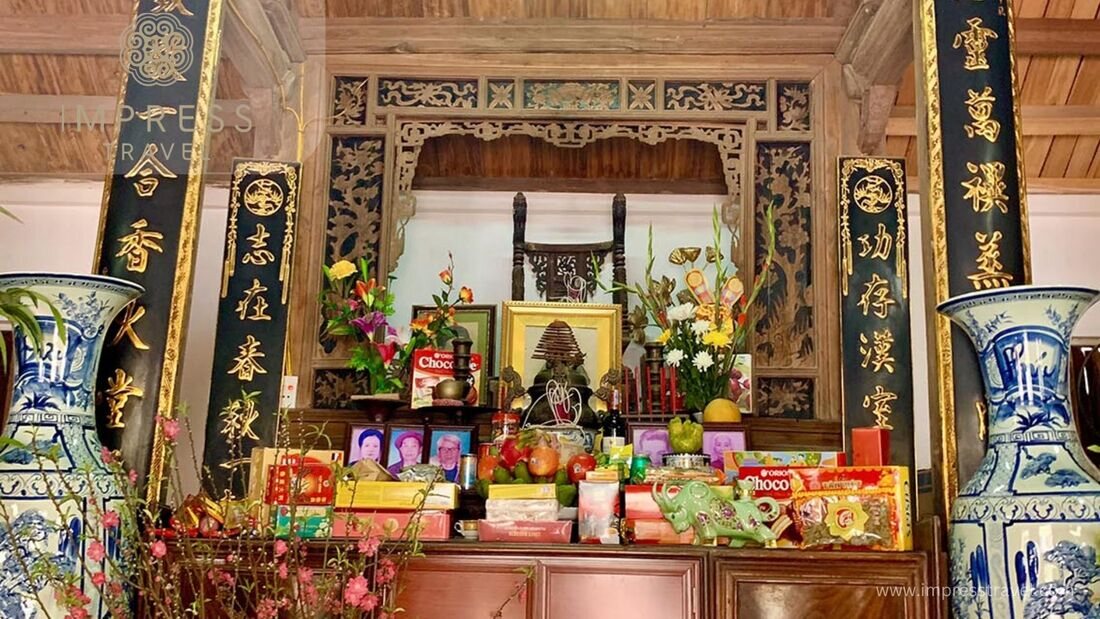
{"x":945,"y":591}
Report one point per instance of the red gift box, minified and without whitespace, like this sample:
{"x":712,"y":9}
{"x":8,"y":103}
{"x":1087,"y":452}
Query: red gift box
{"x":545,"y":532}
{"x":391,"y":525}
{"x":659,"y":531}
{"x":870,"y":446}
{"x":641,"y":506}
{"x":310,"y":478}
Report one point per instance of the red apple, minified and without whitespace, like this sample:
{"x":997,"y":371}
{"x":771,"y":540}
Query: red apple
{"x":579,"y":465}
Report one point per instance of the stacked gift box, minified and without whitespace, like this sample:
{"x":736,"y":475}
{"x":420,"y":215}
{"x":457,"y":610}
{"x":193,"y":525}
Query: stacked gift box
{"x":292,"y":491}
{"x":387,"y":508}
{"x":524,"y":513}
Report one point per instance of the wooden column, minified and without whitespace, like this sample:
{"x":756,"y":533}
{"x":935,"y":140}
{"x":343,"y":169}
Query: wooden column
{"x":974,"y":215}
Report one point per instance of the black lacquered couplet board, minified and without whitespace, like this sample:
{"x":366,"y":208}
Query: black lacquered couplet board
{"x":976,"y":214}
{"x":150,"y":218}
{"x":250,"y":340}
{"x":876,"y":339}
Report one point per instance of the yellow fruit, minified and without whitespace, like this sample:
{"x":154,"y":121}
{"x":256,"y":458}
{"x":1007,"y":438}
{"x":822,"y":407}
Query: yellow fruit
{"x":722,"y":411}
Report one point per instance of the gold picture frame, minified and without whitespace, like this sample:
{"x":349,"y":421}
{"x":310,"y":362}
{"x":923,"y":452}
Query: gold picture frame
{"x":597,"y":327}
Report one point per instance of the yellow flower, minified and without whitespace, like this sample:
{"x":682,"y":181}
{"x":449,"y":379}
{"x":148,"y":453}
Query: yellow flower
{"x":717,"y":339}
{"x":341,"y":269}
{"x":663,"y":337}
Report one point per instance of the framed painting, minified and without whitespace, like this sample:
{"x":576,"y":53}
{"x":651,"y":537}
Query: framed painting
{"x":596,"y":329}
{"x":404,"y":447}
{"x":718,"y":438}
{"x":480,"y":323}
{"x":366,"y":442}
{"x":446,"y":444}
{"x":650,"y":439}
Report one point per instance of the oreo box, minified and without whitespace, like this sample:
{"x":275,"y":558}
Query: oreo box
{"x":431,"y":366}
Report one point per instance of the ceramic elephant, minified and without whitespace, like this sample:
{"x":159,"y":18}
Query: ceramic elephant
{"x":696,"y":505}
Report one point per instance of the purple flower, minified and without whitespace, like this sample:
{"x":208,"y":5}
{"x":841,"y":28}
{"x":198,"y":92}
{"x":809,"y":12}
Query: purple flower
{"x":368,"y":324}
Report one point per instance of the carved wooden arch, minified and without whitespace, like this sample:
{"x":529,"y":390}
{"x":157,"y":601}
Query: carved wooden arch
{"x":731,"y":139}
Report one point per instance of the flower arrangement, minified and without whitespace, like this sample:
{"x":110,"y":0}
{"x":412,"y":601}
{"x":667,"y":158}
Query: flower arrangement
{"x":437,"y":327}
{"x":707,"y":323}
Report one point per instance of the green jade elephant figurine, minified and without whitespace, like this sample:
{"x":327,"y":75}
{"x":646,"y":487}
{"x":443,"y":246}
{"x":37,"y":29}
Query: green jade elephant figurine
{"x":696,"y":505}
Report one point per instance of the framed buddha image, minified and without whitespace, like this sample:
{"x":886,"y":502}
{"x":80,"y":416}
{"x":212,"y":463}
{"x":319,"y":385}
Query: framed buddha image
{"x":533,"y":334}
{"x":480,"y":324}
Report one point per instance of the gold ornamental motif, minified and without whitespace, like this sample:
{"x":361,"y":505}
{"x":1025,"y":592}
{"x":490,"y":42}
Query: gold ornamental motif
{"x":975,"y":41}
{"x":263,"y":197}
{"x":990,"y":273}
{"x":571,"y":96}
{"x":987,"y":190}
{"x":267,"y":195}
{"x":715,"y":96}
{"x":641,"y":95}
{"x":158,"y":50}
{"x":873,"y":194}
{"x":419,"y":93}
{"x":120,"y":388}
{"x":502,"y":95}
{"x":980,"y":107}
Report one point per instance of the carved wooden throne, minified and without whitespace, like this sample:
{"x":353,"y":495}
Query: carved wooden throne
{"x":564,"y":272}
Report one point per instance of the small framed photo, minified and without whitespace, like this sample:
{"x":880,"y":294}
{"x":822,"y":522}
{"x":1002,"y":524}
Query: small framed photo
{"x":650,"y":439}
{"x":446,"y":444}
{"x":404,"y":447}
{"x":367,"y":442}
{"x":718,"y":438}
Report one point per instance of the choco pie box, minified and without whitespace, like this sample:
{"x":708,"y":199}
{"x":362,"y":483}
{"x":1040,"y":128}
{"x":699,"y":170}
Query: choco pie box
{"x":733,"y":460}
{"x":432,"y":366}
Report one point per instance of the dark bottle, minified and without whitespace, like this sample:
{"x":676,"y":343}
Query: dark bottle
{"x":614,"y":425}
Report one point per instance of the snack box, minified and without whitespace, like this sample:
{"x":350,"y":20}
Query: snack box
{"x":497,"y":510}
{"x":312,"y":480}
{"x":396,"y":495}
{"x":544,"y":532}
{"x":263,"y":458}
{"x":432,"y":366}
{"x":655,"y":531}
{"x":775,"y":482}
{"x":305,"y":521}
{"x":598,"y":512}
{"x":860,"y":507}
{"x":522,"y":491}
{"x":435,"y":526}
{"x":734,"y":460}
{"x":641,"y":506}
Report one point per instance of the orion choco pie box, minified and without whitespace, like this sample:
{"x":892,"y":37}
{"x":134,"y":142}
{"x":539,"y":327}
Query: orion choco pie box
{"x":432,"y":366}
{"x":774,"y":482}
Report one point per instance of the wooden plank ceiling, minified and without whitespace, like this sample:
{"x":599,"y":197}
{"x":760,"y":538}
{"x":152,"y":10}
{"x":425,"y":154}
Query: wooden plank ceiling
{"x":1060,"y":95}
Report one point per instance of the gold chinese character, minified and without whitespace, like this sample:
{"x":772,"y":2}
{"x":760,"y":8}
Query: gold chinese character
{"x":876,"y":297}
{"x":130,"y":317}
{"x":120,"y":388}
{"x":168,"y":6}
{"x":259,"y":255}
{"x":147,"y":168}
{"x":877,"y":352}
{"x":237,"y":419}
{"x":980,"y":107}
{"x":136,"y":246}
{"x":883,"y":242}
{"x":879,"y":405}
{"x":990,"y":272}
{"x":975,"y":40}
{"x":987,"y":190}
{"x":247,"y":365}
{"x":253,"y":300}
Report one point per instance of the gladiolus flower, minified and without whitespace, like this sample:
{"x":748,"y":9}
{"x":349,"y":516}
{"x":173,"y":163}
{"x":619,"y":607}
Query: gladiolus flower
{"x":341,"y":270}
{"x":387,"y":351}
{"x":363,"y":289}
{"x":446,"y":276}
{"x":663,"y":337}
{"x":466,"y":295}
{"x":95,"y":551}
{"x":158,"y":549}
{"x":110,"y":519}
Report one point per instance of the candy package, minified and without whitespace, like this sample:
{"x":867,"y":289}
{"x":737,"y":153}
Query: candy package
{"x":854,"y":507}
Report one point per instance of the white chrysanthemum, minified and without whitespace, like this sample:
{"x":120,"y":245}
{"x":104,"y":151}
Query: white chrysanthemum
{"x":674,"y":357}
{"x":681,"y":312}
{"x":702,"y":361}
{"x":700,"y":327}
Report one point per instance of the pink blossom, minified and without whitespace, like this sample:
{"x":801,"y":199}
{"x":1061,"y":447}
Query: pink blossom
{"x":280,"y":548}
{"x":385,"y":572}
{"x":305,"y":575}
{"x":96,"y":552}
{"x":77,"y":612}
{"x":369,"y":546}
{"x":282,"y":571}
{"x":133,"y":477}
{"x":99,"y":579}
{"x":232,"y":558}
{"x":171,"y":428}
{"x":159,"y":549}
{"x":267,"y":609}
{"x":110,"y":519}
{"x":356,"y":589}
{"x":107,"y":456}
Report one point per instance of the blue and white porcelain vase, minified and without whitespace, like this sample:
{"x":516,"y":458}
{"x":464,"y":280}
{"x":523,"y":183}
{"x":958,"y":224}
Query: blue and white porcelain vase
{"x":1025,"y":529}
{"x":53,"y":408}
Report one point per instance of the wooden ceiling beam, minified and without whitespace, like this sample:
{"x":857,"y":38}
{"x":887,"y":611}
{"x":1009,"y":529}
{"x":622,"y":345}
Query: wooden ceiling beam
{"x":1046,"y":36}
{"x":1045,"y":120}
{"x":476,"y":36}
{"x":95,"y":35}
{"x":250,"y":42}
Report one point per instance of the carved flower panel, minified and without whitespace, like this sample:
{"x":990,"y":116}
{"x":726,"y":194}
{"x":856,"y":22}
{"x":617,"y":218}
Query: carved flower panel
{"x":641,"y":95}
{"x":567,"y":95}
{"x":349,"y":101}
{"x":784,"y":397}
{"x":333,"y":388}
{"x":716,"y":96}
{"x":354,"y":217}
{"x":502,"y":94}
{"x":409,"y":92}
{"x":793,"y":106}
{"x":784,"y":335}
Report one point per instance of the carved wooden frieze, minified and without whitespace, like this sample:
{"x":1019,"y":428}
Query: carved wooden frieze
{"x":793,"y":106}
{"x":354,"y":228}
{"x":571,"y":95}
{"x":641,"y":95}
{"x":502,"y":94}
{"x":349,"y":101}
{"x":777,"y":396}
{"x":407,"y":92}
{"x":716,"y":96}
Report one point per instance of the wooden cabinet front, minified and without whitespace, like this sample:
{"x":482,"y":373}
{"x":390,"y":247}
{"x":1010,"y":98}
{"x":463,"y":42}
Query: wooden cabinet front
{"x":466,"y":587}
{"x":820,"y":585}
{"x":620,"y":588}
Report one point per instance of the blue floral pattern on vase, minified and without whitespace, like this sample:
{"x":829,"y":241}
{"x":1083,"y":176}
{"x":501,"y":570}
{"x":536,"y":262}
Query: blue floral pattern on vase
{"x":53,"y":410}
{"x":1023,"y":528}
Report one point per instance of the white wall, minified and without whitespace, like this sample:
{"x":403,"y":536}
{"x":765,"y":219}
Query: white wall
{"x":60,"y":221}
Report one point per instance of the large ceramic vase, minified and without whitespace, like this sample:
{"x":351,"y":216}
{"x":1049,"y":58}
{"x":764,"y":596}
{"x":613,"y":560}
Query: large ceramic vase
{"x":52,"y":408}
{"x":1026,"y":527}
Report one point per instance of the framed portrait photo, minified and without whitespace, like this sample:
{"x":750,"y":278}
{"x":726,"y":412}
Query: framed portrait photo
{"x":367,"y":442}
{"x":718,"y":438}
{"x":447,"y":444}
{"x":596,"y":328}
{"x":480,"y":323}
{"x":650,"y":439}
{"x":404,"y":447}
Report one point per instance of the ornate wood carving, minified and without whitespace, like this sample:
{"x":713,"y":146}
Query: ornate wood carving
{"x":716,"y":96}
{"x":399,"y":92}
{"x":784,"y":397}
{"x":793,"y":108}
